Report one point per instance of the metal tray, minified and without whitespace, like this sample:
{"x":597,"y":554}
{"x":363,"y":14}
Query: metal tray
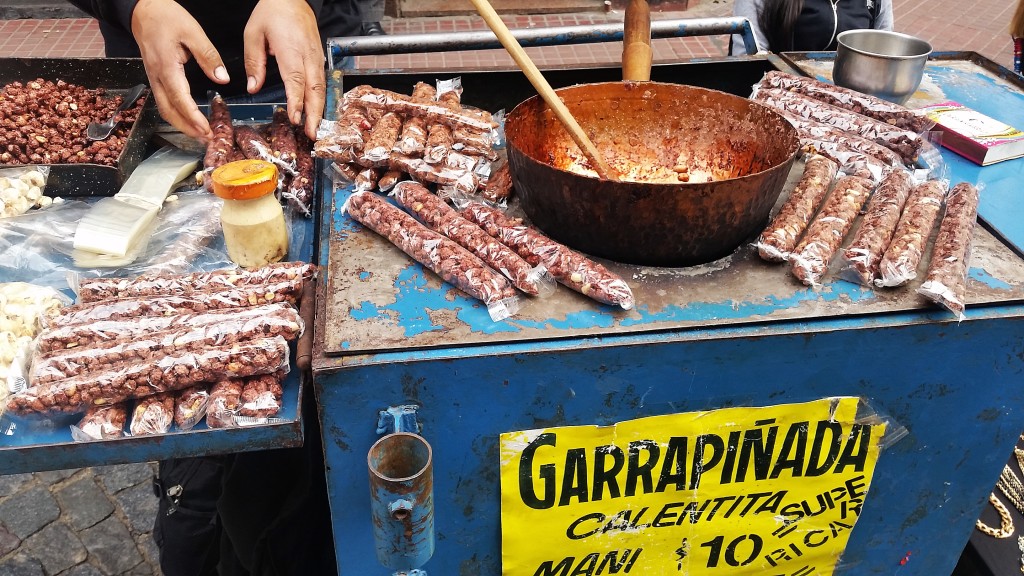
{"x":114,"y":74}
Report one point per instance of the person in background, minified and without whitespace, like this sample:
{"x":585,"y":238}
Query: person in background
{"x":807,"y":25}
{"x":268,"y":50}
{"x":372,"y":13}
{"x":264,"y":512}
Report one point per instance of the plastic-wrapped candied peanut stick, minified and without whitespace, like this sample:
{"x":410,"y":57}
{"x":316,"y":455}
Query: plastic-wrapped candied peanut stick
{"x":876,"y":230}
{"x":96,"y":289}
{"x":389,"y":179}
{"x":905,"y":143}
{"x":282,"y":138}
{"x":261,"y":396}
{"x":381,"y":141}
{"x":440,"y":217}
{"x":779,"y":239}
{"x":125,"y":381}
{"x":569,"y":267}
{"x":144,"y":348}
{"x":499,"y":185}
{"x":101,"y":423}
{"x":826,"y":232}
{"x":850,"y":100}
{"x":300,"y":189}
{"x":439,"y":143}
{"x":225,"y":400}
{"x":153,"y":415}
{"x":817,"y":131}
{"x":108,"y":333}
{"x":367,"y":179}
{"x":413,"y":138}
{"x":190,"y":406}
{"x":901,"y":259}
{"x":946,"y":282}
{"x":372,"y":98}
{"x":424,"y":91}
{"x":443,"y":256}
{"x":237,"y":297}
{"x":218,"y":151}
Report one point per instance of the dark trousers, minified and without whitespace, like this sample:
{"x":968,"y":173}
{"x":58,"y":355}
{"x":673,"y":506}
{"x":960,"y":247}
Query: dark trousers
{"x":249,"y":514}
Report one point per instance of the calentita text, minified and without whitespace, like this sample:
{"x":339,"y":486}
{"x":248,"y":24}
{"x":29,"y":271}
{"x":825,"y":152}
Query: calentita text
{"x":765,"y":451}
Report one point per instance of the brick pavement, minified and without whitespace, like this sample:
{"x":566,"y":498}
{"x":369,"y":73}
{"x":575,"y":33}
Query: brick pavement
{"x":97,"y":521}
{"x":89,"y":522}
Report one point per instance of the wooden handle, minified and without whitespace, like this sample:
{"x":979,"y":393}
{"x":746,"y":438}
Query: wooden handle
{"x":636,"y":42}
{"x":486,"y":11}
{"x":304,"y":347}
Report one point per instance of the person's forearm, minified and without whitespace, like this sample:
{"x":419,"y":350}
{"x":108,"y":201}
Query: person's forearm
{"x":115,"y":12}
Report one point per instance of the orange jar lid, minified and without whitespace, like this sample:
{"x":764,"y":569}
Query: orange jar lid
{"x":244,"y":179}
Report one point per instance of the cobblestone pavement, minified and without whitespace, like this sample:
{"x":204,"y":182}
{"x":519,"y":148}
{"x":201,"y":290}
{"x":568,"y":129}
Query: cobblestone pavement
{"x":88,"y":522}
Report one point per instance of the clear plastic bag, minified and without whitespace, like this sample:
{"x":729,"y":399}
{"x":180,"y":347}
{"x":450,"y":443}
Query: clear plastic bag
{"x":861,"y":258}
{"x":96,"y":289}
{"x":153,"y":415}
{"x":38,"y":246}
{"x":946,"y":281}
{"x":190,"y":406}
{"x":851,"y":100}
{"x":261,"y":396}
{"x":144,"y":347}
{"x":111,"y":332}
{"x":825,"y":234}
{"x":21,"y":189}
{"x":194,"y":303}
{"x":903,"y":255}
{"x":439,"y":217}
{"x":225,"y":400}
{"x":444,"y":257}
{"x":569,"y":267}
{"x":120,"y":381}
{"x":779,"y":239}
{"x":905,"y":143}
{"x":101,"y":423}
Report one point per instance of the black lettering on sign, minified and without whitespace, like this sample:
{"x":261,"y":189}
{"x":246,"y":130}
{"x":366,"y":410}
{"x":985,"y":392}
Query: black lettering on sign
{"x":791,"y":455}
{"x":673,"y":469}
{"x":732,"y":450}
{"x":571,"y":532}
{"x":855,"y":453}
{"x":835,"y":433}
{"x":637,"y":471}
{"x":592,"y":564}
{"x":699,"y":465}
{"x":759,"y":447}
{"x":547,"y":472}
{"x":574,"y":480}
{"x":605,"y":475}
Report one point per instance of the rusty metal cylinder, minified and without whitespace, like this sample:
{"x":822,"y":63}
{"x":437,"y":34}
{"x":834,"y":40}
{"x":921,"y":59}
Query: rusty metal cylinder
{"x":402,"y":500}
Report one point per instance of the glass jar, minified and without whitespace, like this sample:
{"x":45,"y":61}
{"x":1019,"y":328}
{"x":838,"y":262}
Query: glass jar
{"x":252,"y":218}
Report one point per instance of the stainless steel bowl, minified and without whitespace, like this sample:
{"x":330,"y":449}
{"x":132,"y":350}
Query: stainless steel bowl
{"x":885,"y":64}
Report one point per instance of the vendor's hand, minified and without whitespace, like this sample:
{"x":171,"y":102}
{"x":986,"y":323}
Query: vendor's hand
{"x":168,"y":36}
{"x":287,"y":30}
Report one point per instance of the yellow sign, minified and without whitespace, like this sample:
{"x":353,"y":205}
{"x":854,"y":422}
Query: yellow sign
{"x":771,"y":491}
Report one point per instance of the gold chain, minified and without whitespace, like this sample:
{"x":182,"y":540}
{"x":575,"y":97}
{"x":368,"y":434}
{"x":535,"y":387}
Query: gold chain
{"x":1011,"y":487}
{"x":1005,"y":521}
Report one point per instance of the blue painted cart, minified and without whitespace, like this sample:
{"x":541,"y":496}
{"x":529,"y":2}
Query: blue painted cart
{"x":737,"y":332}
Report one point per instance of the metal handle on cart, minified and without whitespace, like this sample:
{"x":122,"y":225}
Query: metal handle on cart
{"x":402,"y":500}
{"x":338,"y":48}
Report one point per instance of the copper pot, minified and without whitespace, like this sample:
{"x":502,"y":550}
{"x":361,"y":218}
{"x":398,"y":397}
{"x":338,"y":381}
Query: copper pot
{"x":735,"y":153}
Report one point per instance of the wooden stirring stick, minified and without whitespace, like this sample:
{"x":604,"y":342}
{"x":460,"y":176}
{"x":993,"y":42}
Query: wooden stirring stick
{"x":636,"y":42}
{"x":486,"y":11}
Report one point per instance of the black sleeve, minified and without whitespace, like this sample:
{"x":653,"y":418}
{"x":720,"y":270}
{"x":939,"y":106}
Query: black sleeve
{"x":116,"y":13}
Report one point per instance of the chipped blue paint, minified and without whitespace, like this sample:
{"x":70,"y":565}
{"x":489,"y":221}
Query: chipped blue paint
{"x":982,"y":276}
{"x":365,"y":275}
{"x":730,"y":309}
{"x":581,"y":319}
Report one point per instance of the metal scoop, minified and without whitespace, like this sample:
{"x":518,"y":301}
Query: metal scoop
{"x":97,"y":131}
